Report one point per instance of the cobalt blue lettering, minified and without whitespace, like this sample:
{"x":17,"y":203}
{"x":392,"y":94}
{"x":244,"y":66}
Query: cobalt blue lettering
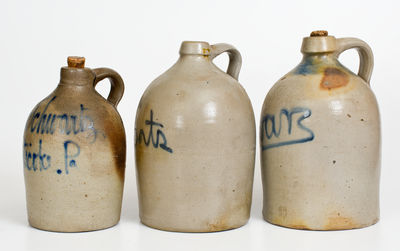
{"x":269,"y":119}
{"x":150,"y":139}
{"x":47,"y":123}
{"x":36,"y":160}
{"x":71,"y":152}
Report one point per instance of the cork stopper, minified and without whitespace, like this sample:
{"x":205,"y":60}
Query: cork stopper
{"x":76,"y":62}
{"x":319,"y":33}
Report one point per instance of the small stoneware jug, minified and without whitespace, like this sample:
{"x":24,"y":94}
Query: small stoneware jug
{"x":195,"y":144}
{"x":74,"y":153}
{"x":320,"y":141}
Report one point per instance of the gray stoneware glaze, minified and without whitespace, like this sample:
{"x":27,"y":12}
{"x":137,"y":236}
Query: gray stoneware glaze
{"x":320,"y":141}
{"x":195,"y":145}
{"x":74,"y":153}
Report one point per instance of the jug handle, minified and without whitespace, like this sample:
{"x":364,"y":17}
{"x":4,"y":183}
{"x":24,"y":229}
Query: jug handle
{"x":364,"y":51}
{"x":117,"y":84}
{"x":235,"y":59}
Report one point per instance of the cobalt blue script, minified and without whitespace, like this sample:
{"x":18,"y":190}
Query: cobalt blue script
{"x":271,"y":127}
{"x":153,"y":138}
{"x":43,"y":123}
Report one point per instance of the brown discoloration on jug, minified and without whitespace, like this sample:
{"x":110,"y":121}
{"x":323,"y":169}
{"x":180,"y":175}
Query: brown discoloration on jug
{"x":299,"y":226}
{"x":138,"y":155}
{"x":118,"y":146}
{"x":222,"y":223}
{"x":338,"y":222}
{"x":333,"y":78}
{"x":206,"y":52}
{"x":282,"y":220}
{"x":228,"y":219}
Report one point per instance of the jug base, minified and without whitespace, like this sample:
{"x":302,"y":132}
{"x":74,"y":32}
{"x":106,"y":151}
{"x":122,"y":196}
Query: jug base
{"x":209,"y":229}
{"x":304,"y":226}
{"x":61,"y":229}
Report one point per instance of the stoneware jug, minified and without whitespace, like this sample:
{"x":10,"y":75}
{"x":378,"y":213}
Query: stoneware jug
{"x":195,"y":144}
{"x":74,"y":153}
{"x":320,"y":141}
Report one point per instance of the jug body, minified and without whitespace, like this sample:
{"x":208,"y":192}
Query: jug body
{"x":320,"y":142}
{"x":195,"y":145}
{"x":74,"y":154}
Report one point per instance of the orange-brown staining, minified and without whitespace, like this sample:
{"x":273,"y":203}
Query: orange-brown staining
{"x":286,"y":220}
{"x":296,"y":224}
{"x":139,"y":155}
{"x":339,"y":222}
{"x":220,"y":224}
{"x":299,"y":226}
{"x":229,"y":218}
{"x":206,"y":51}
{"x":116,"y":138}
{"x":224,"y":222}
{"x":289,"y":223}
{"x":333,"y":78}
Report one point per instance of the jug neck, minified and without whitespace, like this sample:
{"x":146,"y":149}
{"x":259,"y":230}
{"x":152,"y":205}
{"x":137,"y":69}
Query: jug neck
{"x":320,"y":58}
{"x":314,"y":63}
{"x":319,"y":42}
{"x":75,"y":74}
{"x":319,"y":48}
{"x":195,"y":51}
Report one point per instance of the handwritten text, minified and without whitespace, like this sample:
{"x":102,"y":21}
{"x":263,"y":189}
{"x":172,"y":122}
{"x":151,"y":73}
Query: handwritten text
{"x":269,"y":122}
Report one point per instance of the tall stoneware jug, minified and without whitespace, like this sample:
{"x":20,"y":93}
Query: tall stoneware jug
{"x":74,"y":153}
{"x":320,"y":141}
{"x":195,"y":144}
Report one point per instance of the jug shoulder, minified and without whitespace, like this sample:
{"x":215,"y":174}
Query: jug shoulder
{"x":177,"y":86}
{"x":326,"y":82}
{"x":70,"y":116}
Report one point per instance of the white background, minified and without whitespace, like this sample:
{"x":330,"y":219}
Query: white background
{"x":141,"y":39}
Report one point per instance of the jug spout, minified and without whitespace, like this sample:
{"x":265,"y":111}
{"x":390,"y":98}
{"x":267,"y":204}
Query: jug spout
{"x":195,"y":48}
{"x":319,"y":42}
{"x":76,"y":73}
